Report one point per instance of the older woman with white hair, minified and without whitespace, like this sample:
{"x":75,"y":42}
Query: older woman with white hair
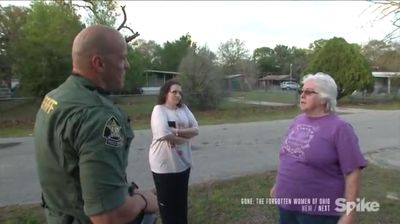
{"x":319,"y":160}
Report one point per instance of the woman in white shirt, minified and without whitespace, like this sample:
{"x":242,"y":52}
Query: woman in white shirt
{"x":170,"y":155}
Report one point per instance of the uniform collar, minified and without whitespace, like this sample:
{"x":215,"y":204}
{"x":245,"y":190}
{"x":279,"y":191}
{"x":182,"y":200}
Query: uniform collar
{"x":87,"y":83}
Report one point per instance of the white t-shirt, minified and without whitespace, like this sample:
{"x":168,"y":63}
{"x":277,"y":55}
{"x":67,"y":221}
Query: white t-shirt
{"x":165,"y":157}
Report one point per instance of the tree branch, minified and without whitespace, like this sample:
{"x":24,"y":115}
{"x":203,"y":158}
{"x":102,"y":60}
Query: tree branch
{"x":386,"y":8}
{"x":123,"y":26}
{"x":124,"y":21}
{"x":386,"y":11}
{"x":91,"y":8}
{"x":131,"y":37}
{"x":390,"y":36}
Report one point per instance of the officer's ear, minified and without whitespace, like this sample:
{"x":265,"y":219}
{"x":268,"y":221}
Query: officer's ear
{"x":97,"y":62}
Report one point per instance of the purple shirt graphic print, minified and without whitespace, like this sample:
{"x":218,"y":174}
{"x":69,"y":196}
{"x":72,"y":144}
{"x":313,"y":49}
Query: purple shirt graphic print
{"x":298,"y":140}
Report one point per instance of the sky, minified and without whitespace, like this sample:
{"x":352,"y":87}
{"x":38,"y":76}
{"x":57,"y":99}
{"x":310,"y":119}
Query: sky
{"x":256,"y":23}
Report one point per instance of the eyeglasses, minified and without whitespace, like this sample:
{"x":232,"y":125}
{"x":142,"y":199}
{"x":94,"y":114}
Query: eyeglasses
{"x":176,"y":92}
{"x":307,"y":92}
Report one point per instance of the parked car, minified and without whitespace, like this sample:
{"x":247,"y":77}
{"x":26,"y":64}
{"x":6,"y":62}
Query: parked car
{"x":289,"y":85}
{"x":138,"y":90}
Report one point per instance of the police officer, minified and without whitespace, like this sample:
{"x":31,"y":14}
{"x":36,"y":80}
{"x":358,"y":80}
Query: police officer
{"x":82,"y":139}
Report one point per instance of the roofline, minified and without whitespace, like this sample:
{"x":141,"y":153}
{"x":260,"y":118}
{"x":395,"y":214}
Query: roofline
{"x":164,"y":72}
{"x":385,"y":74}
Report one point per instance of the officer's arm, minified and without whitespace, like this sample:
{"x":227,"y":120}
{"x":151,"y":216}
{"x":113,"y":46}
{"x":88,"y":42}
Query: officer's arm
{"x":102,"y":162}
{"x":125,"y":213}
{"x":145,"y":202}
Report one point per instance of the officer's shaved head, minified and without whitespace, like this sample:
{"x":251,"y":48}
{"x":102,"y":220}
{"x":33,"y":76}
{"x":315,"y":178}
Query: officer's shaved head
{"x":97,"y":39}
{"x":99,"y":53}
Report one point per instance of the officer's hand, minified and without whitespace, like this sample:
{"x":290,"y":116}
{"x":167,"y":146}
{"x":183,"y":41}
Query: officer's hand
{"x":152,"y":203}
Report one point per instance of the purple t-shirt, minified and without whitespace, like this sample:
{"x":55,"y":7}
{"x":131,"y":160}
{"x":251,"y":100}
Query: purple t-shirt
{"x":315,"y":155}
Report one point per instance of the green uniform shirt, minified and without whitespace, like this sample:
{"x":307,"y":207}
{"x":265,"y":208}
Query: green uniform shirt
{"x":82,"y":143}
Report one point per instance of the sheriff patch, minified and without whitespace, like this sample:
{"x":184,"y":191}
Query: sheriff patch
{"x":112,"y":132}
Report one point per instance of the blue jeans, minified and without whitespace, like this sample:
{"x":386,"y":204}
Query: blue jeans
{"x":295,"y":217}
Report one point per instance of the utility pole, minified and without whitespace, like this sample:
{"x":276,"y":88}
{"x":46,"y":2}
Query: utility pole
{"x":290,"y":74}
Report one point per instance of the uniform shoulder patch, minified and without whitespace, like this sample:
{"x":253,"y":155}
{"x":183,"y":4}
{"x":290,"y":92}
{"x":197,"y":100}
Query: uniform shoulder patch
{"x":112,"y":132}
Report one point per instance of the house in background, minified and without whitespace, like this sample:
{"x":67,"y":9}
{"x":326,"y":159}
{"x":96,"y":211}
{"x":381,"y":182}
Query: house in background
{"x":383,"y":82}
{"x":271,"y":81}
{"x":155,"y":79}
{"x":6,"y":91}
{"x":238,"y":82}
{"x":234,"y":82}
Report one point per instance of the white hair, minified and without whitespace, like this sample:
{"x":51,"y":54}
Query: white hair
{"x":326,"y":88}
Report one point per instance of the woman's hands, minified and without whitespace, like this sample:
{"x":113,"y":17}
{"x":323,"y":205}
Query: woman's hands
{"x":185,"y":132}
{"x":175,"y":131}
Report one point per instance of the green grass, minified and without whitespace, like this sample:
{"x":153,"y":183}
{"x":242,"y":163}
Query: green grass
{"x":22,"y":214}
{"x":390,"y":105}
{"x":16,"y":131}
{"x":217,"y":202}
{"x":18,"y":119}
{"x":379,"y":102}
{"x":139,"y":109}
{"x":220,"y":202}
{"x":137,"y":104}
{"x":376,"y":184}
{"x":10,"y":110}
{"x":290,"y":97}
{"x":229,"y":112}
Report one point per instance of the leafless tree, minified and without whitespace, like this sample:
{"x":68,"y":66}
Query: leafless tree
{"x":384,"y":9}
{"x":123,"y":26}
{"x":104,"y":12}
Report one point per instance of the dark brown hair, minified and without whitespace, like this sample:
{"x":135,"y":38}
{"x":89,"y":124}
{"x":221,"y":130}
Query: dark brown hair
{"x":162,"y":96}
